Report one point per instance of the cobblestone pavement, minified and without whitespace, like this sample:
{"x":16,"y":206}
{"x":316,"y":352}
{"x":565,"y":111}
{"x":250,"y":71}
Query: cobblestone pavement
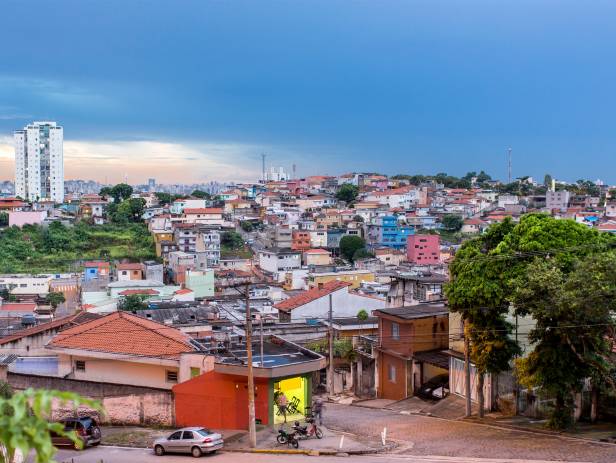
{"x":422,"y":435}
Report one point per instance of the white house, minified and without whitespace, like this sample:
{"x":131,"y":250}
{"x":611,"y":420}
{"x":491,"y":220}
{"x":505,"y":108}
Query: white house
{"x":279,"y":260}
{"x":314,"y":303}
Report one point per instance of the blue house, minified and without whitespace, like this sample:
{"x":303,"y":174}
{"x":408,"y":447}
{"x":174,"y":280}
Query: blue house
{"x":388,"y":232}
{"x":95,"y":269}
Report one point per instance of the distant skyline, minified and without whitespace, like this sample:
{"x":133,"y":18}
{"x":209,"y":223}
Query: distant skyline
{"x":195,"y":91}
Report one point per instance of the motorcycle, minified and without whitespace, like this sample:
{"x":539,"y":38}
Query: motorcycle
{"x":284,"y":437}
{"x":308,"y":431}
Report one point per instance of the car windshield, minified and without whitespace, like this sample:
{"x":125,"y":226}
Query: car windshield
{"x":71,"y":425}
{"x":204,"y":432}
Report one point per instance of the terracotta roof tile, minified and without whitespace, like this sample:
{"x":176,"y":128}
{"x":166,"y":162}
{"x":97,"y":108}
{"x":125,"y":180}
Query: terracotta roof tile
{"x":203,"y":210}
{"x":311,"y":295}
{"x":144,"y":292}
{"x":124,"y":333}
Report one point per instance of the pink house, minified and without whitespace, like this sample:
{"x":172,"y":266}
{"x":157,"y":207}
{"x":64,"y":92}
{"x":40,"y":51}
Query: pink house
{"x":423,"y":249}
{"x":21,"y":218}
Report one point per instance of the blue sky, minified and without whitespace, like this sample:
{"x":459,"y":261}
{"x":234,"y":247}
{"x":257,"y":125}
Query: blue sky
{"x":196,"y":90}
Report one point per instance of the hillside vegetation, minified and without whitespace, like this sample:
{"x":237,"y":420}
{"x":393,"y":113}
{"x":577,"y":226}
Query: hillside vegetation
{"x":35,"y":249}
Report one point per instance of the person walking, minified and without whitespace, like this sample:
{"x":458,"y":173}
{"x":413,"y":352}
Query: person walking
{"x":282,"y":405}
{"x":317,"y":411}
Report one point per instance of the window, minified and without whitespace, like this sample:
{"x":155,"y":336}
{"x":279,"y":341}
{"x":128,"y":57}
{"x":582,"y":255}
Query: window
{"x":123,"y":272}
{"x":80,"y":365}
{"x":395,"y":331}
{"x":172,"y":376}
{"x":176,"y":435}
{"x":188,"y":435}
{"x":391,"y":373}
{"x":194,"y":372}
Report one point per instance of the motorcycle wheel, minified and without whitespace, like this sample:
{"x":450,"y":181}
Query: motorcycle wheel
{"x":281,"y":439}
{"x":295,"y":443}
{"x":318,"y":433}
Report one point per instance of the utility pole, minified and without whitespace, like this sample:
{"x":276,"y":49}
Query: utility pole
{"x":330,"y":369}
{"x":467,"y":370}
{"x":252,"y":429}
{"x":263,"y":167}
{"x":261,"y":323}
{"x":509,"y":164}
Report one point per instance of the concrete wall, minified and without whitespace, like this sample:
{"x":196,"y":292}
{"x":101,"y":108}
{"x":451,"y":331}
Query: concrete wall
{"x":123,"y":405}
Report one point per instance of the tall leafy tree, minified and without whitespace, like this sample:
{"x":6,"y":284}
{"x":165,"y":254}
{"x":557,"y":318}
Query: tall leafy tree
{"x":55,"y":299}
{"x":487,"y":270}
{"x":347,"y":193}
{"x":574,"y":320}
{"x":350,"y":245}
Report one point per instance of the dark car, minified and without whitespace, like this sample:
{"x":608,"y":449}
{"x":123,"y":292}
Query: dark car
{"x":436,"y":388}
{"x":87,"y":431}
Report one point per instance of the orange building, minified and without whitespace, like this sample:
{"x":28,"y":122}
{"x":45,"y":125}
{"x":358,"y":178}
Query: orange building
{"x":411,"y":344}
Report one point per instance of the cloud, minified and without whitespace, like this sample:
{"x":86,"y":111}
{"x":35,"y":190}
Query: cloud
{"x":168,"y":162}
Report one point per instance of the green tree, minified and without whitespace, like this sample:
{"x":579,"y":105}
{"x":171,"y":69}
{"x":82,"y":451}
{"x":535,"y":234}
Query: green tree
{"x":350,"y":244}
{"x":163,"y":198}
{"x":121,"y":192}
{"x":129,"y":210}
{"x":201,"y":194}
{"x":231,"y":240}
{"x":452,"y":222}
{"x":547,"y":181}
{"x":358,"y":218}
{"x":574,"y":320}
{"x":4,"y":219}
{"x":246,"y":226}
{"x":105,"y":192}
{"x":486,"y":269}
{"x":347,"y":193}
{"x":477,"y":292}
{"x":55,"y":299}
{"x":133,"y":303}
{"x":362,"y":253}
{"x":25,"y":425}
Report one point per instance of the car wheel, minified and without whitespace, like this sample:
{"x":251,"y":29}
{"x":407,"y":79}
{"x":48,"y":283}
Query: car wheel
{"x":159,"y":450}
{"x":196,"y":452}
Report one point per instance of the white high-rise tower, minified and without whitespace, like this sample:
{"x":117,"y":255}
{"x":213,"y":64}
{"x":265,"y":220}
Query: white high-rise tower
{"x":39,"y":162}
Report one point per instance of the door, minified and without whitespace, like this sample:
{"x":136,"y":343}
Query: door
{"x":174,"y":442}
{"x":241,"y":405}
{"x":188,"y":439}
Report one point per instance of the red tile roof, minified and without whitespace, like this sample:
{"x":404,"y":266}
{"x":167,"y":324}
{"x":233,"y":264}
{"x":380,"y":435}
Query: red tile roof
{"x":183,"y":291}
{"x":96,"y":264}
{"x":123,"y":333}
{"x":311,"y":295}
{"x":203,"y":210}
{"x":129,"y":266}
{"x":144,"y":292}
{"x":18,"y":307}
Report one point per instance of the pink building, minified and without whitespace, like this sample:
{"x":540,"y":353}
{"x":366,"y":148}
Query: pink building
{"x":423,"y":249}
{"x":21,"y":218}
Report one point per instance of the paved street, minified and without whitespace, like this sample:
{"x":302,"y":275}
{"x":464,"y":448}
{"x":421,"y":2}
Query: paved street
{"x":422,"y":435}
{"x":116,"y":455}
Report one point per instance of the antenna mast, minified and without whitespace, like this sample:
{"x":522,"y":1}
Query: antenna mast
{"x":263,"y":155}
{"x":509,"y":164}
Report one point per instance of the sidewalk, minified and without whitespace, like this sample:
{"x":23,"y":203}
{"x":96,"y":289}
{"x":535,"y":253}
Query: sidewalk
{"x":332,"y":442}
{"x":238,"y":440}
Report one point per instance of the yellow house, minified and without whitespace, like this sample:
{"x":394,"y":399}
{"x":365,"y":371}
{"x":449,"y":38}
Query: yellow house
{"x":354,"y":277}
{"x":159,"y":237}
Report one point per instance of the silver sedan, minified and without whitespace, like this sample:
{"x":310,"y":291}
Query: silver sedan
{"x":195,"y":441}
